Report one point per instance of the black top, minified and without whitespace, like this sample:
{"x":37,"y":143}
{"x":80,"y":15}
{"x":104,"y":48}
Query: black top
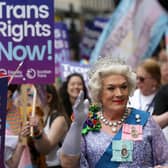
{"x":161,"y":100}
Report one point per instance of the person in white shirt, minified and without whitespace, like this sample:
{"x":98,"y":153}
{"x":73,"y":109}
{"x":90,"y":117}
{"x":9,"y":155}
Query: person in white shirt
{"x":148,"y":84}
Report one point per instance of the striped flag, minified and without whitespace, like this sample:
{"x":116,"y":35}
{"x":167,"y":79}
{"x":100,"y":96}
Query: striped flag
{"x":166,"y":40}
{"x":133,"y":31}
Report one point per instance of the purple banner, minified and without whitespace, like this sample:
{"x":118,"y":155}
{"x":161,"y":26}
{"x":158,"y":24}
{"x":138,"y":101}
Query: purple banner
{"x":69,"y":67}
{"x":27,"y":35}
{"x":61,"y":45}
{"x":92,"y":31}
{"x":3,"y":101}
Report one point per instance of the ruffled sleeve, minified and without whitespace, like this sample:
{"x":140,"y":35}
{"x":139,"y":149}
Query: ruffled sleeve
{"x":159,"y":144}
{"x":83,"y":161}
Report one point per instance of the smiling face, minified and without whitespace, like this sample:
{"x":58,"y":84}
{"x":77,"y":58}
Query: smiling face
{"x":74,"y":86}
{"x":114,"y":93}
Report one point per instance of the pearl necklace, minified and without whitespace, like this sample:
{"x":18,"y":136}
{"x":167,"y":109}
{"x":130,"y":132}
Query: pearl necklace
{"x":115,"y":124}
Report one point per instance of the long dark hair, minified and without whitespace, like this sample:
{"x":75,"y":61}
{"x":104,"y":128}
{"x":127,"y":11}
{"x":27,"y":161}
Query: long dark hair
{"x":65,"y":96}
{"x":55,"y":104}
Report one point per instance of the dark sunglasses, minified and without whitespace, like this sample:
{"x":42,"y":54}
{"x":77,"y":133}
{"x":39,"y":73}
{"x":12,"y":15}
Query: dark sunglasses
{"x":142,"y":79}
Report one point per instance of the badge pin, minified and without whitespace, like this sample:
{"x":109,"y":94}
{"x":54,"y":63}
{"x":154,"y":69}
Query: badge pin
{"x":134,"y":132}
{"x":124,"y":152}
{"x":138,"y":118}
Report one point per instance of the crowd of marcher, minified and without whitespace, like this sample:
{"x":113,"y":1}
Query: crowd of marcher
{"x":118,"y":119}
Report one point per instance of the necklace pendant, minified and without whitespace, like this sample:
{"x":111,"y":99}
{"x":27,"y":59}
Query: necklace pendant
{"x":114,"y":129}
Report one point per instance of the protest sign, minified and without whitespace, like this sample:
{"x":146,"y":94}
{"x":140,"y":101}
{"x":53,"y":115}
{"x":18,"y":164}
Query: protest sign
{"x":27,"y":36}
{"x":69,"y":67}
{"x":61,"y":45}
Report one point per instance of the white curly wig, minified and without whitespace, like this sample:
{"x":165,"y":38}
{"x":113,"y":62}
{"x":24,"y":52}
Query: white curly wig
{"x":104,"y":67}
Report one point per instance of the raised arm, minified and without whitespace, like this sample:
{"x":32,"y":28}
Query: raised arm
{"x":46,"y":141}
{"x":12,"y":158}
{"x":70,"y":153}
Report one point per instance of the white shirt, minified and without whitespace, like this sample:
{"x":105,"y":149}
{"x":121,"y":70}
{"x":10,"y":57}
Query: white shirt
{"x":52,"y":158}
{"x":141,"y":102}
